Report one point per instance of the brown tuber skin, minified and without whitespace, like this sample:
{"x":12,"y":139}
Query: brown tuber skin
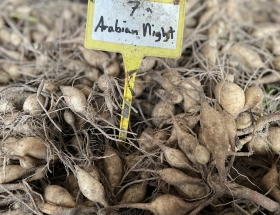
{"x":168,"y":204}
{"x":93,"y":57}
{"x":111,"y":68}
{"x":145,"y":142}
{"x":92,"y":74}
{"x":247,"y":56}
{"x":59,"y":196}
{"x":276,"y":63}
{"x":32,"y":106}
{"x":201,"y":154}
{"x":176,"y":177}
{"x":5,"y":77}
{"x":173,"y":76}
{"x":86,"y":90}
{"x":215,"y":136}
{"x":187,"y":119}
{"x":231,"y":128}
{"x":244,"y":120}
{"x":90,"y":187}
{"x":176,"y":158}
{"x":146,"y":65}
{"x":132,"y":159}
{"x":139,"y":86}
{"x":27,"y":162}
{"x":192,"y":191}
{"x":113,"y":167}
{"x":74,"y":98}
{"x":7,"y":106}
{"x":105,"y":82}
{"x":190,"y":94}
{"x":230,"y":96}
{"x":270,"y":182}
{"x":12,"y":70}
{"x":170,"y":89}
{"x":31,"y":146}
{"x":253,"y":97}
{"x":148,"y":144}
{"x":163,"y":205}
{"x":274,"y":137}
{"x":186,"y":141}
{"x":260,"y":146}
{"x":190,"y":146}
{"x":49,"y":87}
{"x":11,"y":173}
{"x":210,"y":51}
{"x":161,"y":112}
{"x":134,"y":194}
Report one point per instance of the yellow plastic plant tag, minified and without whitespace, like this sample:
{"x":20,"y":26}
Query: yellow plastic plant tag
{"x":135,"y":29}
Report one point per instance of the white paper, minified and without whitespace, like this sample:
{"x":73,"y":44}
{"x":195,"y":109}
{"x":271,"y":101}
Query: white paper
{"x":141,"y":23}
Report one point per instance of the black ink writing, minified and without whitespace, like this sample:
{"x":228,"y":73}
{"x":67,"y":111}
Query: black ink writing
{"x":132,"y":72}
{"x":135,"y":7}
{"x":101,"y":25}
{"x":147,"y":29}
{"x":149,"y":10}
{"x":131,"y":91}
{"x":158,"y":35}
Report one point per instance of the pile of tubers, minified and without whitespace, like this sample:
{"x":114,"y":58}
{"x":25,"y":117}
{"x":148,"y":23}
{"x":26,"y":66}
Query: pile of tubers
{"x":204,"y":134}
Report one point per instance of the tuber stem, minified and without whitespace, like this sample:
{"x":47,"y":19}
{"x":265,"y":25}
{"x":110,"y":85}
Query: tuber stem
{"x":262,"y":121}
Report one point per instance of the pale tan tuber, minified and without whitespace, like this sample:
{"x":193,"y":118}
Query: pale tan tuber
{"x":27,"y":162}
{"x":146,"y":65}
{"x":74,"y":98}
{"x":164,"y":205}
{"x":11,"y":173}
{"x":12,"y":70}
{"x":260,"y":146}
{"x":105,"y":82}
{"x":274,"y":139}
{"x":134,"y":194}
{"x":30,"y":146}
{"x":270,"y":182}
{"x":139,"y":87}
{"x":176,"y":158}
{"x":176,"y":177}
{"x":253,"y":97}
{"x":244,"y":120}
{"x":190,"y":91}
{"x":111,"y":68}
{"x":90,"y":187}
{"x":92,"y":74}
{"x":192,"y":191}
{"x":6,"y":106}
{"x":230,"y":96}
{"x":93,"y":57}
{"x":247,"y":56}
{"x":32,"y":106}
{"x":148,"y":144}
{"x":59,"y":196}
{"x":276,"y":63}
{"x":171,"y":92}
{"x":113,"y":167}
{"x":201,"y":154}
{"x":214,"y":135}
{"x":161,"y":112}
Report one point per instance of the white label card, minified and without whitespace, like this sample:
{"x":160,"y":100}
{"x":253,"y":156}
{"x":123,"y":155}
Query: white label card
{"x":142,"y":23}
